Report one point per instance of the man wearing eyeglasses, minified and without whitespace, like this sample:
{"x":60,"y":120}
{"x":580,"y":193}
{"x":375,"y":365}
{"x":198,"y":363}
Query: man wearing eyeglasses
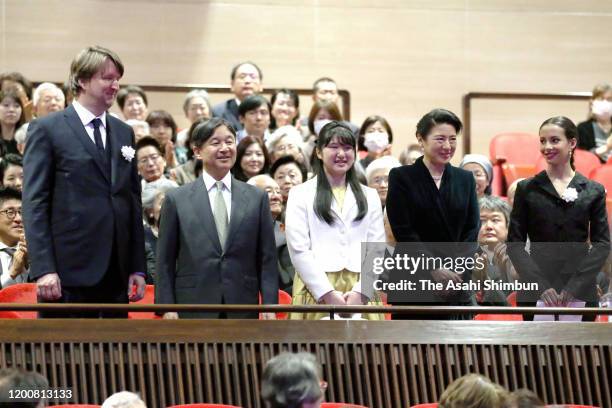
{"x":246,"y":80}
{"x":13,"y":250}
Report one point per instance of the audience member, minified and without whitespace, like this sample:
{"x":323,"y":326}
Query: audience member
{"x":286,"y":140}
{"x":85,"y":244}
{"x":216,"y":242}
{"x":13,"y":249}
{"x":246,"y":78}
{"x":285,"y":108}
{"x":48,"y":98}
{"x":163,"y":129}
{"x":288,"y":173}
{"x":494,"y":222}
{"x":152,"y":200}
{"x":375,"y":137}
{"x":377,"y":175}
{"x":254,"y":114}
{"x":328,"y":218}
{"x":20,"y":137}
{"x":132,"y":101}
{"x":22,"y":86}
{"x":410,"y":154}
{"x":140,"y":128}
{"x":595,"y":134}
{"x":481,"y":168}
{"x":196,"y":106}
{"x":12,"y":116}
{"x":321,"y":113}
{"x":473,"y":391}
{"x":524,"y":398}
{"x":151,"y":164}
{"x":251,"y":159}
{"x":124,"y":399}
{"x":12,"y":379}
{"x":293,"y":380}
{"x":188,"y":171}
{"x":11,"y":171}
{"x":286,"y":271}
{"x":512,"y":191}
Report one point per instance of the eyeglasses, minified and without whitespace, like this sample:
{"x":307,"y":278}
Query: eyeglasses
{"x":152,"y":158}
{"x":379,"y":180}
{"x":11,"y":213}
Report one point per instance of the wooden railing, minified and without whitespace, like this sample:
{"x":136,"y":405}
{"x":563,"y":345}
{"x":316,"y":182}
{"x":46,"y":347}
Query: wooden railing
{"x":373,"y":363}
{"x":467,"y":106}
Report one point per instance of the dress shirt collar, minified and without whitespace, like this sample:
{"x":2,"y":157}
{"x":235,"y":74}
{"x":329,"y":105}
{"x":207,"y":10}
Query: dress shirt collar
{"x":3,"y":245}
{"x":209,"y":181}
{"x":86,"y":116}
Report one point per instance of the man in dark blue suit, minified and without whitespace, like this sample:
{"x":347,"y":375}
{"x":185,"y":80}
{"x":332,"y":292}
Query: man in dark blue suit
{"x":246,"y":80}
{"x":81,"y":200}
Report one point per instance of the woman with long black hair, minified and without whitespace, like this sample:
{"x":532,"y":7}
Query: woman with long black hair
{"x":327,"y":219}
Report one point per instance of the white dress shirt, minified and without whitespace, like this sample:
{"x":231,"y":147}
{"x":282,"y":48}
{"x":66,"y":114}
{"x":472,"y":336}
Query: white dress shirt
{"x":86,"y":118}
{"x":211,"y":188}
{"x":6,"y":260}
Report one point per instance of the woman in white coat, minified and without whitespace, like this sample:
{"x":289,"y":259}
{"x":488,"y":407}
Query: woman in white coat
{"x":327,"y":219}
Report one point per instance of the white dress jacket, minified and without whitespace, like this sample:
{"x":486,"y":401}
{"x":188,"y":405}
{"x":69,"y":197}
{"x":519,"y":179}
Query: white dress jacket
{"x":316,"y":247}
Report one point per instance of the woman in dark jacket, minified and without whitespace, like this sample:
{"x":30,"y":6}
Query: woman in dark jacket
{"x":595,"y":134}
{"x":432,"y":207}
{"x":560,"y":211}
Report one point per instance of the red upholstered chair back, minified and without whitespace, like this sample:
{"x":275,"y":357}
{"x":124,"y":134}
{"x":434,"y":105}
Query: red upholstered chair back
{"x":148,"y":299}
{"x":19,"y":293}
{"x":603,"y":175}
{"x":430,"y":405}
{"x":284,"y":298}
{"x":514,"y":155}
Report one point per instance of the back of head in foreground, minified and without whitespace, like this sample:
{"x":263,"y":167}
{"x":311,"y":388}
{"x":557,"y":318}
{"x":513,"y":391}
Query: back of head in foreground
{"x":124,"y":399}
{"x":291,"y":380}
{"x":13,"y":379}
{"x":473,"y":391}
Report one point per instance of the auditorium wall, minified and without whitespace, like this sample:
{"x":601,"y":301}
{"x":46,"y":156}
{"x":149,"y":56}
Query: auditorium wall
{"x":398,"y":58}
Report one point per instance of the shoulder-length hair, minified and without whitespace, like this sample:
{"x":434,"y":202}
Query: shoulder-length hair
{"x":161,"y":116}
{"x":331,"y":107}
{"x":294,"y":98}
{"x":241,"y":149}
{"x":369,"y":121}
{"x":12,"y":94}
{"x":324,"y":195}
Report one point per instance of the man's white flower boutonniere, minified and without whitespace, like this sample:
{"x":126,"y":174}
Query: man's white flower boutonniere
{"x":569,"y":195}
{"x":128,"y":153}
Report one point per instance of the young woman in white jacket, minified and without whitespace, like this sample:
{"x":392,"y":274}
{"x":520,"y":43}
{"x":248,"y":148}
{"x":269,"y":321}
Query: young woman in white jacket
{"x":327,"y":219}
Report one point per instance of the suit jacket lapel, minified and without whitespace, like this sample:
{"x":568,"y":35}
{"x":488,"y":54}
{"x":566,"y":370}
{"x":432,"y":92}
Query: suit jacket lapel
{"x":239,"y":204}
{"x":203,"y":212}
{"x":77,"y":127}
{"x":542,"y":181}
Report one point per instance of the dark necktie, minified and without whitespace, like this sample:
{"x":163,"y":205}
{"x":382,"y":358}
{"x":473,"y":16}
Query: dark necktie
{"x":97,"y":135}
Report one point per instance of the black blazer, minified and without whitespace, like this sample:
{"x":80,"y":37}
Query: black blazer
{"x":228,"y":110}
{"x":73,"y":209}
{"x":191,"y":265}
{"x":419,"y":212}
{"x":558,"y":232}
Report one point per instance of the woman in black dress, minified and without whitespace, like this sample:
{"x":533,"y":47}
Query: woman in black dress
{"x":560,"y":211}
{"x":433,"y":206}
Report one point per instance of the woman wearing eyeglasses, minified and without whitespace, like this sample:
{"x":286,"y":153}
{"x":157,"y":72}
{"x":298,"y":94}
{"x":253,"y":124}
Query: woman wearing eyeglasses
{"x":327,"y":219}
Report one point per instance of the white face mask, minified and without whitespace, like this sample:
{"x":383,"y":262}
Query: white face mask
{"x":602,"y":108}
{"x":376,"y":142}
{"x":318,"y":125}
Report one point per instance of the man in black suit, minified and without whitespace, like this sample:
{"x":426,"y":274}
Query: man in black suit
{"x":216,"y":241}
{"x":81,"y":202}
{"x":246,"y":80}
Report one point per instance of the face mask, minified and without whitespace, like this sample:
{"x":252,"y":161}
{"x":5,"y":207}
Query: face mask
{"x":376,"y":142}
{"x":602,"y":108}
{"x":318,"y":125}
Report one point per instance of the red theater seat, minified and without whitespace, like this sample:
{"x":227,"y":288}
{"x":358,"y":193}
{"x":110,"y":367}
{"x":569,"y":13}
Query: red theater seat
{"x":603,"y":175}
{"x":148,"y":299}
{"x":430,"y":405}
{"x":514,"y":155}
{"x":340,"y":405}
{"x":283,"y":299}
{"x":19,"y":293}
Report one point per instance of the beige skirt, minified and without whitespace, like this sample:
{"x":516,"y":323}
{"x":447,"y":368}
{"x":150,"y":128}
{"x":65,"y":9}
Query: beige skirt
{"x":342,"y":281}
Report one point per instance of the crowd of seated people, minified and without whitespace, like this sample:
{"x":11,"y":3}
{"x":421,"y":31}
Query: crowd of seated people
{"x":277,"y":150}
{"x":296,"y":380}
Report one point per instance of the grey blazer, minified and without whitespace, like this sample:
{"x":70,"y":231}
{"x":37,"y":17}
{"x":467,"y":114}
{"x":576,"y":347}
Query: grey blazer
{"x":192,"y":268}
